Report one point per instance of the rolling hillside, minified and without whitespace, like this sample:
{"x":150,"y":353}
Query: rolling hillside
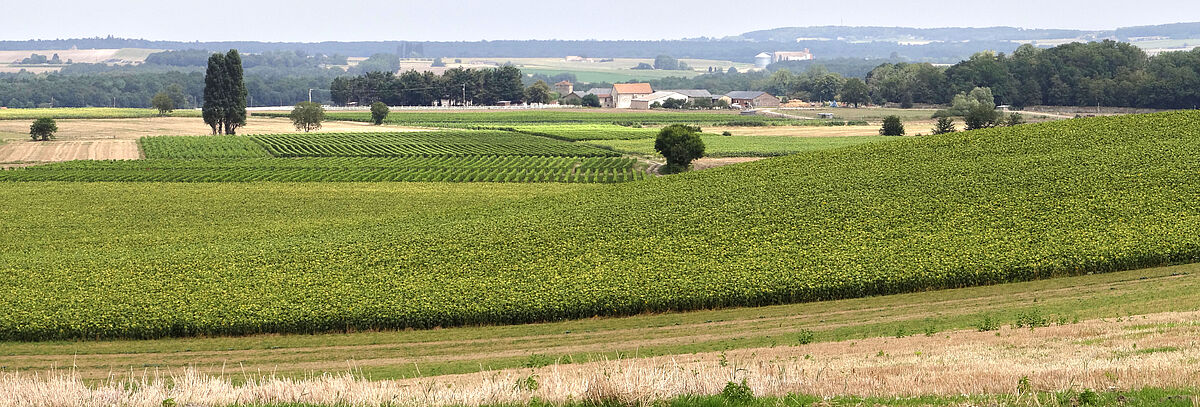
{"x":983,"y":207}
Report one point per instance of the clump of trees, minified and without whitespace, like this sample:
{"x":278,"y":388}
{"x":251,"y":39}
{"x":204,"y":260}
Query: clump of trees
{"x":590,"y":100}
{"x":457,"y":86}
{"x":162,"y":101}
{"x":669,"y":63}
{"x":379,"y":112}
{"x":43,"y":129}
{"x":224,"y":93}
{"x":680,"y":144}
{"x":307,"y":116}
{"x":892,"y":126}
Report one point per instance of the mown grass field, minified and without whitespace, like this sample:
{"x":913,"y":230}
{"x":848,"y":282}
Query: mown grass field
{"x":985,"y":207}
{"x":745,"y":146}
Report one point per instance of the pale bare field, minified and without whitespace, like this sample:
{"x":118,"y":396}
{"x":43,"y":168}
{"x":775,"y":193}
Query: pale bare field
{"x":714,"y":162}
{"x":31,"y":151}
{"x":116,"y":139}
{"x":1156,"y":350}
{"x":797,"y":131}
{"x":133,"y":129}
{"x":91,"y":56}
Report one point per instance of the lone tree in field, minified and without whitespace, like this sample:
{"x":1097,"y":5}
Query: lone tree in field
{"x":679,"y":144}
{"x":224,"y":93}
{"x":379,"y":111}
{"x":163,"y":102}
{"x":892,"y":126}
{"x":43,"y":129}
{"x":944,"y":125}
{"x":307,"y":116}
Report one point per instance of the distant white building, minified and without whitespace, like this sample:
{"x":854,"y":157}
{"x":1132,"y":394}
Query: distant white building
{"x":781,"y":56}
{"x":659,"y":97}
{"x":763,"y":59}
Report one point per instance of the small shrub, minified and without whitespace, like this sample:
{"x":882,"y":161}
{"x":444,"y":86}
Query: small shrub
{"x":1032,"y":318}
{"x":529,"y":383}
{"x":1089,"y":398}
{"x":892,"y":126}
{"x":737,"y":391}
{"x":726,"y":133}
{"x":944,"y":125}
{"x":806,"y":336}
{"x":988,"y":324}
{"x":536,"y":361}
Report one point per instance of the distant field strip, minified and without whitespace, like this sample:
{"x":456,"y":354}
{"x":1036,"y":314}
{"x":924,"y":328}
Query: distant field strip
{"x":746,"y":146}
{"x":425,"y":144}
{"x":580,"y":132}
{"x":469,"y":119}
{"x":87,"y":113}
{"x":345,"y":169}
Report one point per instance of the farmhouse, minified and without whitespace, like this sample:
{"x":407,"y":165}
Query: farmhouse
{"x":752,"y":98}
{"x":564,"y":87}
{"x":659,"y":97}
{"x":623,"y":94}
{"x":780,"y":56}
{"x":604,"y":94}
{"x":694,"y":95}
{"x":572,"y":98}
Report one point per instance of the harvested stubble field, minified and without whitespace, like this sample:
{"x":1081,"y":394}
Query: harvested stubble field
{"x":1130,"y":352}
{"x":915,"y":214}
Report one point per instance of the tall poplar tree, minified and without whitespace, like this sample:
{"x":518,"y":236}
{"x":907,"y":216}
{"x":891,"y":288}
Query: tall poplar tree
{"x":235,"y":109}
{"x":213,"y":110}
{"x":224,"y":93}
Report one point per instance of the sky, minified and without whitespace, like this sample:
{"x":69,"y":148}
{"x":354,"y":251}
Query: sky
{"x":472,"y":20}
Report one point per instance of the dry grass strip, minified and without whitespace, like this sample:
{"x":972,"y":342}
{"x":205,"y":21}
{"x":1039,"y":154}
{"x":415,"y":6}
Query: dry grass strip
{"x":1158,"y":350}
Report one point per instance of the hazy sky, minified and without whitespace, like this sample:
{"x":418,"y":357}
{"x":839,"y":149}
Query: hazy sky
{"x":352,"y":20}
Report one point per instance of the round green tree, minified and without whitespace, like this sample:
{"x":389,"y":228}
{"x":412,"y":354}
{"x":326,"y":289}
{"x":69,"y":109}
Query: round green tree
{"x":680,"y":145}
{"x":163,"y":102}
{"x":379,"y":111}
{"x":892,"y":126}
{"x":43,"y":129}
{"x":307,"y":116}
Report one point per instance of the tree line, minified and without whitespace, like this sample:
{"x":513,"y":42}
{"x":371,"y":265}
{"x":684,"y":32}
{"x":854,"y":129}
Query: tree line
{"x":455,"y":87}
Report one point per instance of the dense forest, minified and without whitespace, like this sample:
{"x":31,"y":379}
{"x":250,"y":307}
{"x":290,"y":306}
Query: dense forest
{"x":457,"y":86}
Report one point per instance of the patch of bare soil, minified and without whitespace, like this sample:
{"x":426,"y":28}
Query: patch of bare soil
{"x":714,"y":162}
{"x":49,"y":151}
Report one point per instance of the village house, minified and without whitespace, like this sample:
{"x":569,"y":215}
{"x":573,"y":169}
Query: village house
{"x":694,"y":95}
{"x":564,"y":87}
{"x":749,"y":99}
{"x":780,"y":56}
{"x":659,"y":97}
{"x":572,"y":98}
{"x":623,"y":94}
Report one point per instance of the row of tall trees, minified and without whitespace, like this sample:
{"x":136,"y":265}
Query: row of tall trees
{"x":456,"y":87}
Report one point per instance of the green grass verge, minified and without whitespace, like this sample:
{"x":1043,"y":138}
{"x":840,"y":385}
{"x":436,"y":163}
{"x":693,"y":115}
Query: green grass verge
{"x":745,"y":146}
{"x":965,"y":209}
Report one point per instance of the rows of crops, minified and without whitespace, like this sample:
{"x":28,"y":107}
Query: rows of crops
{"x":423,"y":144}
{"x":527,"y":117}
{"x":201,"y":147}
{"x":412,"y":169}
{"x":745,"y":146}
{"x":149,"y":260}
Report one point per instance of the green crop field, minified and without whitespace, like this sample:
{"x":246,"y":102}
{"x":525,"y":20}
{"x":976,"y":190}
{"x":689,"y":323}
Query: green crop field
{"x":529,"y":117}
{"x":745,"y":146}
{"x":87,"y":113}
{"x":345,"y":169}
{"x":104,"y":260}
{"x":176,"y":147}
{"x":422,"y":144}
